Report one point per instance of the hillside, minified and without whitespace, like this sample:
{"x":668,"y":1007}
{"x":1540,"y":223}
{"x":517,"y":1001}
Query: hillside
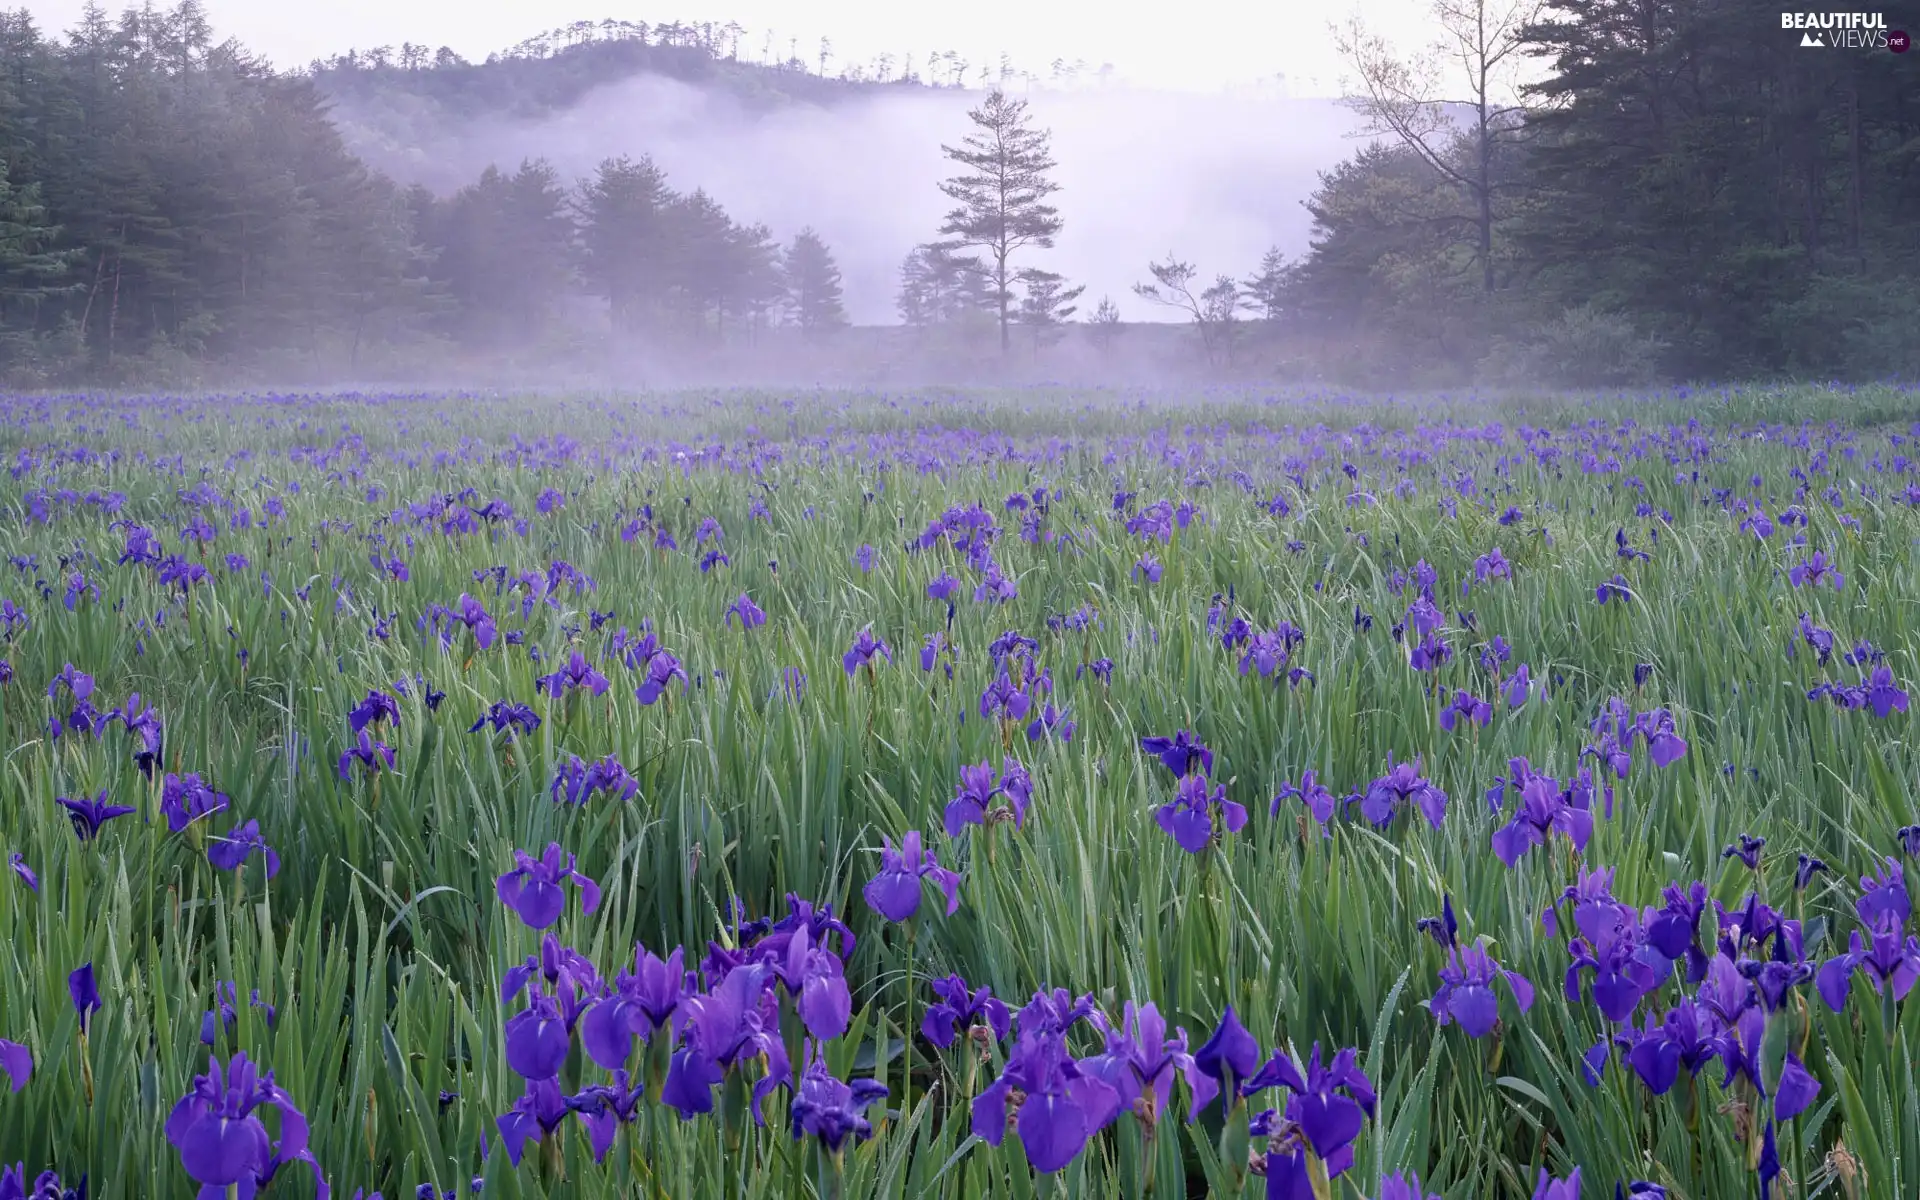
{"x":1219,"y":178}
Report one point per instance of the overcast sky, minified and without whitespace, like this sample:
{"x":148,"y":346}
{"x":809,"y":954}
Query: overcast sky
{"x":1197,"y":45}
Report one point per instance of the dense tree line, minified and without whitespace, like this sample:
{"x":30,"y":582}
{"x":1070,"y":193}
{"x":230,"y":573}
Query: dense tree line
{"x":1685,"y":192}
{"x":1672,"y":188}
{"x":167,"y":199}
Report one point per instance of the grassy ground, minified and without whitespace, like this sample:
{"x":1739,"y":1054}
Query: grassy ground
{"x":381,"y":944}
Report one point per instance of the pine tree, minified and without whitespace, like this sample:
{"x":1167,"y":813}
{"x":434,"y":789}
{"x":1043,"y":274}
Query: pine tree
{"x":813,"y":293}
{"x":622,"y":215}
{"x":1002,"y":195}
{"x":31,"y":269}
{"x":1104,"y":325}
{"x":1047,"y":305}
{"x":1266,"y":291}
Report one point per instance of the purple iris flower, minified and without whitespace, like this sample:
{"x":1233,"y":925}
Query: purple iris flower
{"x":1267,"y":652}
{"x":1102,"y":669}
{"x":471,"y":613}
{"x":816,"y":978}
{"x":1882,"y":695}
{"x":1544,"y":808}
{"x":662,"y":669}
{"x":225,"y":1012}
{"x":185,"y":799}
{"x":1465,"y":706}
{"x":1399,"y":1186}
{"x":1774,"y":978}
{"x":1005,"y":697}
{"x":538,"y":1039}
{"x":538,"y":1112}
{"x":863,"y":651}
{"x":1820,"y":640}
{"x":1659,"y":1049}
{"x":735,"y":1023}
{"x":1883,"y":900}
{"x":641,"y":1004}
{"x":378,"y":706}
{"x":1549,"y":1188}
{"x":828,"y":1109}
{"x":1065,"y":1105}
{"x":1754,"y":926}
{"x":1889,"y":956}
{"x":1228,"y":1058}
{"x":16,"y":1062}
{"x":1149,"y":566}
{"x":535,"y":888}
{"x":894,"y":893}
{"x":1815,"y":571}
{"x":371,"y":755}
{"x":1675,"y":929}
{"x":222,"y":1142}
{"x":1519,"y":687}
{"x":961,"y":1009}
{"x":1425,"y":617}
{"x":1466,"y":990}
{"x":577,"y":780}
{"x":1052,"y":721}
{"x":507,"y":717}
{"x":78,"y":683}
{"x":228,"y":853}
{"x":1140,"y":1061}
{"x":577,"y":673}
{"x":1443,"y":929}
{"x":863,"y":558}
{"x":1316,"y":796}
{"x":1664,"y":745}
{"x":1616,"y":588}
{"x":142,"y":722}
{"x":1180,"y":753}
{"x":1804,"y":871}
{"x":972,"y":796}
{"x":750,"y":615}
{"x":84,"y":993}
{"x":1748,"y":851}
{"x":1189,"y":818}
{"x":1612,"y":945}
{"x":603,"y":1109}
{"x":943,"y":587}
{"x":1401,"y":786}
{"x":1328,"y":1107}
{"x":88,"y":814}
{"x":18,"y":862}
{"x":972,"y":802}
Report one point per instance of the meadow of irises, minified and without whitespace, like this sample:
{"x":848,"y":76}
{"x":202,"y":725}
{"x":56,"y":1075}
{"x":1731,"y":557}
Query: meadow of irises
{"x":1030,"y":795}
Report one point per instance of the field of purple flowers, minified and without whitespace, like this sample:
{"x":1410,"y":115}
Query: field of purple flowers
{"x":1033,"y":795}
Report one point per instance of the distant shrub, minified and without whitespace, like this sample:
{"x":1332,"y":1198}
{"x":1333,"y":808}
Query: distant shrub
{"x":1585,"y":346}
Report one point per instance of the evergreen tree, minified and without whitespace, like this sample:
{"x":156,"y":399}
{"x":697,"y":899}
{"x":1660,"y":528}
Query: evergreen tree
{"x":1104,"y":325}
{"x":1002,"y":195}
{"x":622,"y":214}
{"x":813,"y":293}
{"x":1046,"y":305}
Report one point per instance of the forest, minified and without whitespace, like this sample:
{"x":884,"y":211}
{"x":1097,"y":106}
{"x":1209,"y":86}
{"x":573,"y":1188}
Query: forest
{"x":1680,"y":192}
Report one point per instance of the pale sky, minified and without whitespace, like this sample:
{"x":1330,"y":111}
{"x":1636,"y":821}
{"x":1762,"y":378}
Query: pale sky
{"x":1197,"y":45}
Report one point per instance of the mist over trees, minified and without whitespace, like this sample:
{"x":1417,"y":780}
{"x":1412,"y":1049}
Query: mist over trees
{"x":1669,"y":189}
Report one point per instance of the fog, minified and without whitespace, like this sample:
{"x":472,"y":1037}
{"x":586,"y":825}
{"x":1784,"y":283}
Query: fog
{"x":1214,"y":179}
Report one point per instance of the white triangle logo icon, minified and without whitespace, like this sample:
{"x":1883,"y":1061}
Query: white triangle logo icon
{"x":1812,"y":39}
